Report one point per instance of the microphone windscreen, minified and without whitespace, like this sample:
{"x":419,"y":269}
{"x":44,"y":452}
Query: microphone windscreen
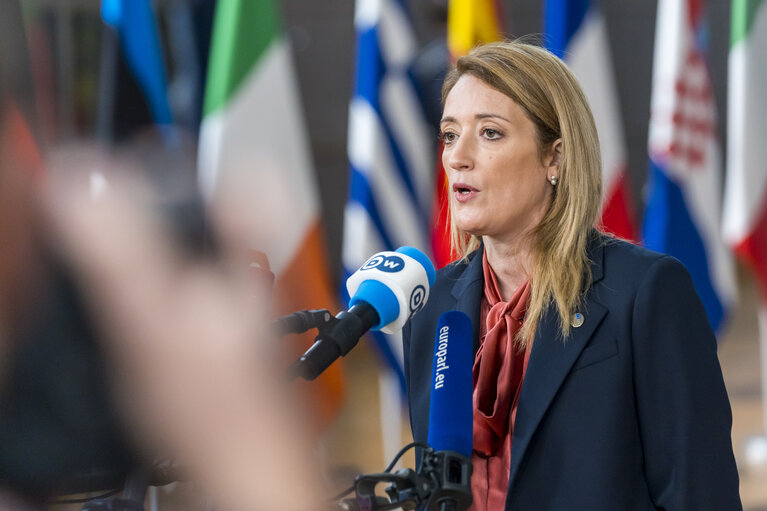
{"x":451,"y":409}
{"x":395,"y":283}
{"x":424,"y":261}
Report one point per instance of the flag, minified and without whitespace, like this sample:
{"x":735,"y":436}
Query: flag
{"x":136,"y":25}
{"x":391,"y":150}
{"x":17,"y":102}
{"x":469,"y":23}
{"x":575,"y":31}
{"x":253,"y":126}
{"x":745,"y":200}
{"x":683,"y":214}
{"x":745,"y":204}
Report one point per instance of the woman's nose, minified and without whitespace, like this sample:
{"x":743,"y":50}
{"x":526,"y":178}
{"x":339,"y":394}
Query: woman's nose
{"x":460,"y":154}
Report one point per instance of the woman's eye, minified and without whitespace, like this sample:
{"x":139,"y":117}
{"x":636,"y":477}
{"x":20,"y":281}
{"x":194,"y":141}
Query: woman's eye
{"x":491,"y":134}
{"x":447,"y":137}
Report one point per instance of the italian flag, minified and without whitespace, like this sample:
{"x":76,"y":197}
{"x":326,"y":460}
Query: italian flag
{"x":253,"y":133}
{"x":745,"y":200}
{"x":745,"y":209}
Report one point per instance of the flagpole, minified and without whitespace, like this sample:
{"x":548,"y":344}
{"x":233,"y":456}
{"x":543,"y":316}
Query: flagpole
{"x":181,"y":31}
{"x":107,"y":85}
{"x":763,"y":356}
{"x":390,"y":403}
{"x":66,"y":69}
{"x":756,"y":447}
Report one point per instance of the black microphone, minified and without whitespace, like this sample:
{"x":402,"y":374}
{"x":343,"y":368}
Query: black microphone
{"x":451,"y":414}
{"x":301,"y":321}
{"x":386,"y":291}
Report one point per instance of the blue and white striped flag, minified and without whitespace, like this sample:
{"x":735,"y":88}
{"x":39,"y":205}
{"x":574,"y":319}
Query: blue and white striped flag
{"x":391,"y":149}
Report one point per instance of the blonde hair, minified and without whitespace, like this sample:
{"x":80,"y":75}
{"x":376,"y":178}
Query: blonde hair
{"x":552,"y":99}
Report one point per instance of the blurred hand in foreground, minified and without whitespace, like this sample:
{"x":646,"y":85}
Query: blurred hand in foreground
{"x":188,"y":343}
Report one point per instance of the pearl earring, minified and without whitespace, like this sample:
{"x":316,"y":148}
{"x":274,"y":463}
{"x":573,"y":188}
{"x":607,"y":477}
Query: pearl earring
{"x":553,"y":180}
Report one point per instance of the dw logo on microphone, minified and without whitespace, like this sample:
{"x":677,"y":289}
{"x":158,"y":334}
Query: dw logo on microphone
{"x":389,"y":264}
{"x":417,"y":299}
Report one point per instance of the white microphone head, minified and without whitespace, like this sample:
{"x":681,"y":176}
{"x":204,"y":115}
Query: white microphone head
{"x":395,"y":283}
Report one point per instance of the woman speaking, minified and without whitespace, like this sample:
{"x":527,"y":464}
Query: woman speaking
{"x":596,"y":379}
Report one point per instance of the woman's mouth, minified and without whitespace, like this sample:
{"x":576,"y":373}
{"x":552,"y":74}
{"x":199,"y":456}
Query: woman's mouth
{"x":464,"y":192}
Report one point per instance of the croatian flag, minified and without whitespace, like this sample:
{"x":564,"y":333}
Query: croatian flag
{"x":683,"y":215}
{"x":391,"y":150}
{"x":575,"y":31}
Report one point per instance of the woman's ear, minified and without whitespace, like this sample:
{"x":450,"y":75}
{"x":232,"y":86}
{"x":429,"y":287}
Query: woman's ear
{"x":552,"y":161}
{"x":555,"y":155}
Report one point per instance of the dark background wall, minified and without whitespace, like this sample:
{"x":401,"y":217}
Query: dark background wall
{"x":322,"y":34}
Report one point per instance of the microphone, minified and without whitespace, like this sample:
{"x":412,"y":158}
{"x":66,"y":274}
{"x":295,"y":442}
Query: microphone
{"x":451,"y":414}
{"x":385,"y":293}
{"x":443,"y":481}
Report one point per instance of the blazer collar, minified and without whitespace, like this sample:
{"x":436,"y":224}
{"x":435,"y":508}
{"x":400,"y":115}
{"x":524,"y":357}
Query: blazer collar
{"x":468,"y":287}
{"x":473,"y":271}
{"x":596,"y":252}
{"x":551,"y":360}
{"x":470,"y":275}
{"x":467,"y":291}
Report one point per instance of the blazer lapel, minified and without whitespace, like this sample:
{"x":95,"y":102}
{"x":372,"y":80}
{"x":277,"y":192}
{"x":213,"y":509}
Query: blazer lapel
{"x":468,"y":292}
{"x":551,"y":359}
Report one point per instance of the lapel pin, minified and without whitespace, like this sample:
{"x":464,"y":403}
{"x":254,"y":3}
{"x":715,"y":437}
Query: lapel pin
{"x":577,"y":320}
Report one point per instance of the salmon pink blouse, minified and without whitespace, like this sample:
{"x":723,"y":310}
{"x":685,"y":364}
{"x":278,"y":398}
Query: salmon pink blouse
{"x":499,"y":370}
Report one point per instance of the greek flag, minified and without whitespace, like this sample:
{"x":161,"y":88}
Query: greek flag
{"x":391,"y":150}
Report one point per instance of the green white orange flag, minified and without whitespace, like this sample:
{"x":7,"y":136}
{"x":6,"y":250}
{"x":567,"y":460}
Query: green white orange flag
{"x":253,"y":126}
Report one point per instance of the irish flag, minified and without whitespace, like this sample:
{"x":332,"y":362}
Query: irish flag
{"x":253,"y":129}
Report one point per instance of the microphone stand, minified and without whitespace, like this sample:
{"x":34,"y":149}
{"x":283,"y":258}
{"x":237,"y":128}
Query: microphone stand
{"x":406,"y":490}
{"x":135,"y":489}
{"x":336,"y":336}
{"x":301,"y":321}
{"x":443,"y":483}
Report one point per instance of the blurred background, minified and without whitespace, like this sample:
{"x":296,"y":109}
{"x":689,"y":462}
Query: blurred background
{"x":333,"y":106}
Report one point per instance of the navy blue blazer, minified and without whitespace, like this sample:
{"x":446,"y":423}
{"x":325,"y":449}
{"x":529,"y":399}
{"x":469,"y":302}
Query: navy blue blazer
{"x":629,"y":413}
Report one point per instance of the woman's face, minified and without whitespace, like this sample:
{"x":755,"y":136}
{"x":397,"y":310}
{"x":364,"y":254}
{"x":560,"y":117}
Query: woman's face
{"x":498,"y":185}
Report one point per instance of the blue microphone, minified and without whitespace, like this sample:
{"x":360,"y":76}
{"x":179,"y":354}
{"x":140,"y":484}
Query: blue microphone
{"x":451,"y":413}
{"x":443,"y":481}
{"x":450,"y":410}
{"x":385,"y":293}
